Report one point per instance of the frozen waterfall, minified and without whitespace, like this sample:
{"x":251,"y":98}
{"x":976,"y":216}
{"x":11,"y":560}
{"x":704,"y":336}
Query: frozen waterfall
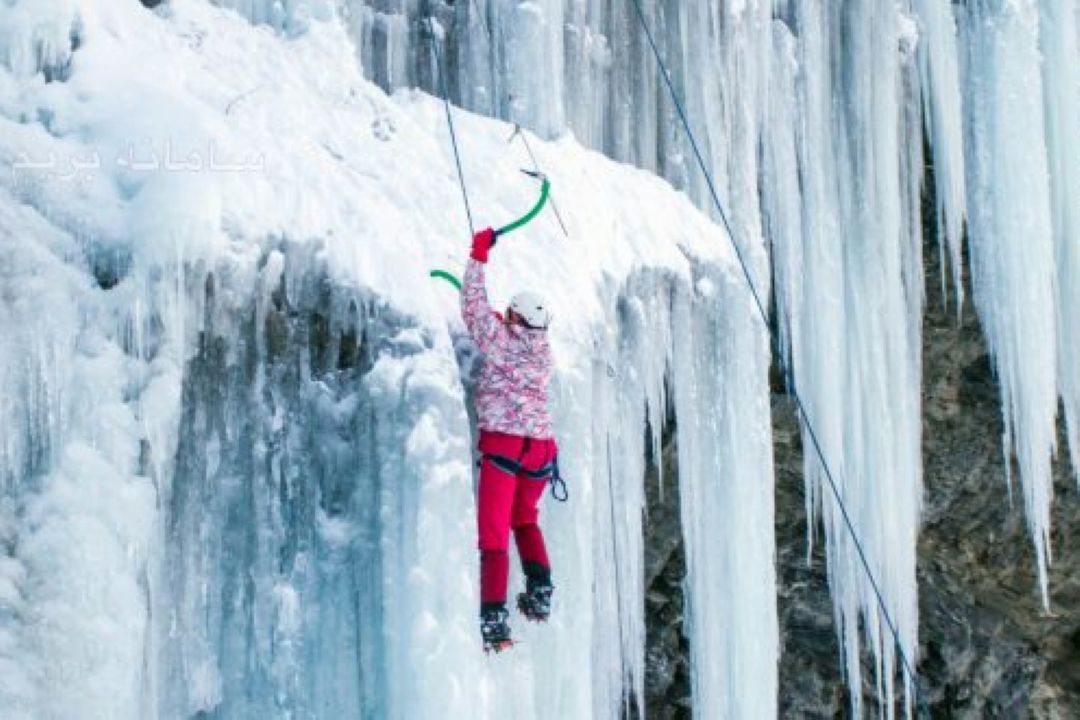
{"x":234,"y":437}
{"x":236,"y":446}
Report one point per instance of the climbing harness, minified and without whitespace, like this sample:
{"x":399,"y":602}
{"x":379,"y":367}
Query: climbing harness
{"x":549,"y":472}
{"x":908,"y":668}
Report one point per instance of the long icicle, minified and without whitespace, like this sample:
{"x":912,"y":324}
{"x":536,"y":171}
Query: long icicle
{"x":909,"y":668}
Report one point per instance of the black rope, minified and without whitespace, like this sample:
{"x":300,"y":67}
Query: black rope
{"x":908,"y":669}
{"x":450,"y":120}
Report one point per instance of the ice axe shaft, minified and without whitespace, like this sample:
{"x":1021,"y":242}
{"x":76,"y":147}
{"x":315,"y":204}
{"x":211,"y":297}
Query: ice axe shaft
{"x":545,"y":191}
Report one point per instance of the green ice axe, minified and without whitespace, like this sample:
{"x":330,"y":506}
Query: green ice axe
{"x":545,"y":191}
{"x":447,"y":277}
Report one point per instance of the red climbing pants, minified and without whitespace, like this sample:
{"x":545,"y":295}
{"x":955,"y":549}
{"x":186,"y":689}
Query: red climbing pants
{"x":507,"y":501}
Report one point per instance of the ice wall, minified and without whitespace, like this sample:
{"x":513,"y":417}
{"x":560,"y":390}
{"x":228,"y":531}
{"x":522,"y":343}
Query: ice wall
{"x":236,"y":447}
{"x":312,"y":564}
{"x":821,"y":118}
{"x":585,"y":67}
{"x":77,"y":503}
{"x":810,"y":116}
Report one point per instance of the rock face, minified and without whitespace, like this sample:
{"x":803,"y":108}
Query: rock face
{"x":667,"y":652}
{"x":988,"y":648}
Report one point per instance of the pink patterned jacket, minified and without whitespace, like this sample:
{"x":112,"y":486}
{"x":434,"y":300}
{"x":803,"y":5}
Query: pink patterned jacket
{"x":512,"y":390}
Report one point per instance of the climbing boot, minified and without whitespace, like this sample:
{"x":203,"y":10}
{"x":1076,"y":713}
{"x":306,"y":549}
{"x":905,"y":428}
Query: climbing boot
{"x":535,"y":602}
{"x":494,"y":629}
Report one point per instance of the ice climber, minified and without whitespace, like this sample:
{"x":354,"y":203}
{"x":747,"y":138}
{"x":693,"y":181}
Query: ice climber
{"x":516,"y":444}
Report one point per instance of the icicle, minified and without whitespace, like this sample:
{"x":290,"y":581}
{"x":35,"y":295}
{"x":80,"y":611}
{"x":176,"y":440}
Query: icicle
{"x":1012,"y":241}
{"x":938,"y":66}
{"x":1059,"y":30}
{"x":850,"y":293}
{"x":39,"y":37}
{"x":726,"y":490}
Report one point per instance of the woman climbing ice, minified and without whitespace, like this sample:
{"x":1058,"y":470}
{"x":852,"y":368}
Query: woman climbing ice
{"x":519,"y":452}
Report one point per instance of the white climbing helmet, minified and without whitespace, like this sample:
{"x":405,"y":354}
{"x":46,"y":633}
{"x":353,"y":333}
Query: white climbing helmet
{"x":532,"y":308}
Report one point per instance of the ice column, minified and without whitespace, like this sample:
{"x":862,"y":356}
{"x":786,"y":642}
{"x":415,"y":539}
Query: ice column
{"x":938,"y":60}
{"x":632,"y":361}
{"x":849,"y":288}
{"x":726,"y":484}
{"x":1059,"y":30}
{"x":1012,"y":239}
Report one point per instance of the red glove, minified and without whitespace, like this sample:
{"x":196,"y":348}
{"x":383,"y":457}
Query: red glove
{"x":482,"y":242}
